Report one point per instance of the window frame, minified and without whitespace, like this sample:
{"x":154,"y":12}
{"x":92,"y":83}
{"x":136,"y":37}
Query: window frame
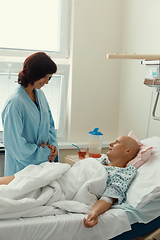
{"x":64,"y":70}
{"x":64,"y":39}
{"x":11,"y":61}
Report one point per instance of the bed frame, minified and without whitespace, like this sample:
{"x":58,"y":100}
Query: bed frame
{"x":142,"y":231}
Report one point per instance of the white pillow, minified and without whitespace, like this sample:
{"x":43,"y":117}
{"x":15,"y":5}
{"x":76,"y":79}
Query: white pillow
{"x":143,"y":154}
{"x":146,"y":185}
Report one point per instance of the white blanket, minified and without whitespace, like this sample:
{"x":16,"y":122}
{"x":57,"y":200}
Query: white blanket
{"x":51,"y":189}
{"x":40,"y":190}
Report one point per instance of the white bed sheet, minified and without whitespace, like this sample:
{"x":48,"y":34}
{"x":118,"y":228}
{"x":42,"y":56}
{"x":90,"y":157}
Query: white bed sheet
{"x":70,"y":226}
{"x":64,"y":227}
{"x":38,"y":190}
{"x":144,"y":215}
{"x":26,"y":201}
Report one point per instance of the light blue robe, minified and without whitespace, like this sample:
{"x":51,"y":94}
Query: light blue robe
{"x":26,"y":126}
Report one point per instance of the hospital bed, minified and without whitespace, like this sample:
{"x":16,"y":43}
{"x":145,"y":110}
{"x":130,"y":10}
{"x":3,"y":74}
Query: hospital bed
{"x":138,"y":215}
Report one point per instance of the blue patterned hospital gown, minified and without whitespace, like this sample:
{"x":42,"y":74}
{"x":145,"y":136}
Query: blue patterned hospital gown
{"x":119,"y":180}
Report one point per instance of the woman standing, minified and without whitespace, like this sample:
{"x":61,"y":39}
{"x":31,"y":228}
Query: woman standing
{"x":29,"y":132}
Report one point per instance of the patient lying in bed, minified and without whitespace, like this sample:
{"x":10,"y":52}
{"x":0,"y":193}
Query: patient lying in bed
{"x":120,"y":153}
{"x":119,"y":176}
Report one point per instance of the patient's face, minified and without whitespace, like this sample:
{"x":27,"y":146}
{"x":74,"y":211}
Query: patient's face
{"x":117,"y":148}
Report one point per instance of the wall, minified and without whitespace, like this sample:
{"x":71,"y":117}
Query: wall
{"x":97,"y":30}
{"x":110,"y":94}
{"x":141,"y":34}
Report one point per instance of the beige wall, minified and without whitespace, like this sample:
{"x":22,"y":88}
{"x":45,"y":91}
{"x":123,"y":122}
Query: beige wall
{"x":97,"y":30}
{"x":110,"y":94}
{"x":141,"y":21}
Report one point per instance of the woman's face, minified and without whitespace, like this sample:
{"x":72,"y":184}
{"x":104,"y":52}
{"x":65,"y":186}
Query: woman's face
{"x":41,"y":82}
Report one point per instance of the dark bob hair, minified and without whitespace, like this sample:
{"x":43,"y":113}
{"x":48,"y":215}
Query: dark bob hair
{"x":35,"y":67}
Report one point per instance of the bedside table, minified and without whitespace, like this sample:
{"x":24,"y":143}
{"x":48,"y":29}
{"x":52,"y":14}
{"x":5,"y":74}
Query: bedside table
{"x":72,"y":159}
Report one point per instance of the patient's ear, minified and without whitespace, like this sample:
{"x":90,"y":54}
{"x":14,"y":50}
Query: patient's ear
{"x":129,"y":151}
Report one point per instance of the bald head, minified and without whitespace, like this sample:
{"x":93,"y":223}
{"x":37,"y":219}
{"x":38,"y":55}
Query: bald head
{"x":131,"y":144}
{"x":122,"y":150}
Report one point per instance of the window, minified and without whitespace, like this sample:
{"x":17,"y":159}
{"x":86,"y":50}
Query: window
{"x":32,"y":26}
{"x":7,"y":86}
